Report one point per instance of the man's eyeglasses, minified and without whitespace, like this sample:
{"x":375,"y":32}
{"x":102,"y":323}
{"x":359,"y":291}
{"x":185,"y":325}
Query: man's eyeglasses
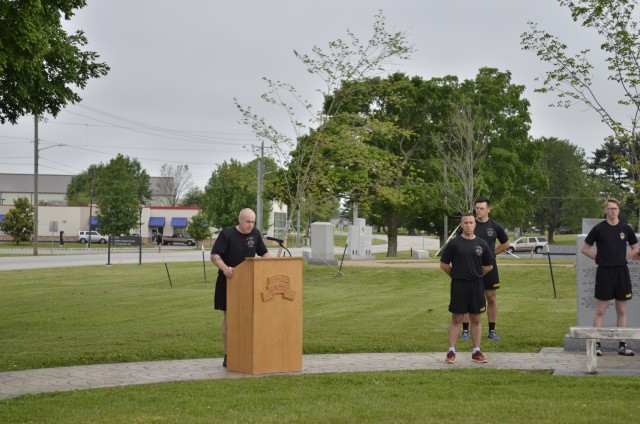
{"x":613,"y":209}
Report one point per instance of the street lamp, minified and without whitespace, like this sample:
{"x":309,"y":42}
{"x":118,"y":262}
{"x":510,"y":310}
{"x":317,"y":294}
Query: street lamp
{"x":140,"y":237}
{"x":36,"y":154}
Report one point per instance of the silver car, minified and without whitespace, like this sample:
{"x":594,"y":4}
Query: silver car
{"x":96,"y":237}
{"x":528,"y":244}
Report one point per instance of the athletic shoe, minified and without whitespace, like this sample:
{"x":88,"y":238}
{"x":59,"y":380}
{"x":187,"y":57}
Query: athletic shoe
{"x":625,"y":351}
{"x":598,"y":350}
{"x":224,"y":361}
{"x":478,"y":357}
{"x":464,"y":335}
{"x":493,"y":336}
{"x":451,"y":358}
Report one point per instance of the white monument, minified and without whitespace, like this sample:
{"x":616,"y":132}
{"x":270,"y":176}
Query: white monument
{"x":321,"y":245}
{"x":360,"y":240}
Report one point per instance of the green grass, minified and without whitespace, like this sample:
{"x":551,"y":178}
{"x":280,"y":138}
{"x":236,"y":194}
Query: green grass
{"x":97,"y":314}
{"x":88,"y":315}
{"x":473,"y":395}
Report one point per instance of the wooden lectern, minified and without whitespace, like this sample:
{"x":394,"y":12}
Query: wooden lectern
{"x":264,"y":316}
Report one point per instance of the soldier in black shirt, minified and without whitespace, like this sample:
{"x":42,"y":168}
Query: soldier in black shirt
{"x":490,"y":231}
{"x":466,"y":259}
{"x":230,"y":249}
{"x":613,"y":281}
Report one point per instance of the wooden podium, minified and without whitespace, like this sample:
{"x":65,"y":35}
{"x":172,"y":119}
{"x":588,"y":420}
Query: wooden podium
{"x":264,"y":316}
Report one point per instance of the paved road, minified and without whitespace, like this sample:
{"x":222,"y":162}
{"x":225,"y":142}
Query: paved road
{"x":74,"y":256}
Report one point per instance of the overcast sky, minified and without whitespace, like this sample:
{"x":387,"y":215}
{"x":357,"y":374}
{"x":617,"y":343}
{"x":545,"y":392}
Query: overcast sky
{"x":177,"y":66}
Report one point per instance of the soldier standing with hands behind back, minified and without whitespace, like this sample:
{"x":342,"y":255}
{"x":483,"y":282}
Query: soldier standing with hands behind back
{"x":490,"y":231}
{"x":466,"y":259}
{"x":613,"y":281}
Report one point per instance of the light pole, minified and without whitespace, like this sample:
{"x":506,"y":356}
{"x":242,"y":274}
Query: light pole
{"x":35,"y":185}
{"x":36,"y":155}
{"x":140,"y":237}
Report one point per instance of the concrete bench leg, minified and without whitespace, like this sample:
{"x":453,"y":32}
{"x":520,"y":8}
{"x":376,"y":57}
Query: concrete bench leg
{"x":592,"y":359}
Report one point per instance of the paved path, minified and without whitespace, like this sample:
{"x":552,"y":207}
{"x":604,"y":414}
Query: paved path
{"x":16,"y":383}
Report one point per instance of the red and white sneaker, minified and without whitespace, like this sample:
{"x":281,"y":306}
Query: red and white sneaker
{"x":478,"y":357}
{"x":451,"y":357}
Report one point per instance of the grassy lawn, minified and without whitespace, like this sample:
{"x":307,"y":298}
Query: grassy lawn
{"x":88,"y":315}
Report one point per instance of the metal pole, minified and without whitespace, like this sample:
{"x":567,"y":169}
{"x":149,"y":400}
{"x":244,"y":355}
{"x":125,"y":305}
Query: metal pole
{"x":35,"y":186}
{"x":140,"y":239}
{"x":259,"y":202}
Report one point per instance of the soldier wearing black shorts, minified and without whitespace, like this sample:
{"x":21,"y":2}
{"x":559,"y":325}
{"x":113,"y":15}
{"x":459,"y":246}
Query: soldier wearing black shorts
{"x":611,"y":238}
{"x":490,"y":231}
{"x":466,"y":259}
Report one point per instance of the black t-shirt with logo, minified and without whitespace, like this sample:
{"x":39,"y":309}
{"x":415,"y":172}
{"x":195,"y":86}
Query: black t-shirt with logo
{"x":467,"y":257}
{"x":611,"y":242}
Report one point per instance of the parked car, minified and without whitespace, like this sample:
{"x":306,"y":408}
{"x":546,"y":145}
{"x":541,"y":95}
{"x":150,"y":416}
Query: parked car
{"x":528,"y":244}
{"x":178,"y":238}
{"x":96,"y":237}
{"x":565,"y":230}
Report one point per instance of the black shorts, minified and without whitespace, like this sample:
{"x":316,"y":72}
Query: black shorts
{"x":467,"y":296}
{"x":220,"y":296}
{"x":492,"y":280}
{"x":613,"y":283}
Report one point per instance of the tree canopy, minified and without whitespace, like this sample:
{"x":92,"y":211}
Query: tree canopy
{"x":41,"y":66}
{"x":232,"y":187}
{"x":81,"y":185}
{"x":117,"y":190}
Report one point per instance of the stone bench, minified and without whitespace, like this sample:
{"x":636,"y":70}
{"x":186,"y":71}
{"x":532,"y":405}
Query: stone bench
{"x":593,"y":333}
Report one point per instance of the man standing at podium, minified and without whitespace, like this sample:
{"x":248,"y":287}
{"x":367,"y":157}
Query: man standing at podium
{"x":230,"y":249}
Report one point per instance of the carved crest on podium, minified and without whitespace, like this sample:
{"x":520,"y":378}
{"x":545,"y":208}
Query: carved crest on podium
{"x":278,"y":284}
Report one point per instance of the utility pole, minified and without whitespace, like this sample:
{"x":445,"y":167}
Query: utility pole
{"x":259,"y":200}
{"x":35,"y":186}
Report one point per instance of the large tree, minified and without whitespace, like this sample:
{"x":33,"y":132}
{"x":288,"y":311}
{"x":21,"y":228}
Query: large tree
{"x":232,"y":187}
{"x":351,"y":60}
{"x":41,"y":66}
{"x":18,"y":222}
{"x":117,"y":195}
{"x":405,"y":118}
{"x":571,"y":76}
{"x":572,"y":192}
{"x":81,"y":188}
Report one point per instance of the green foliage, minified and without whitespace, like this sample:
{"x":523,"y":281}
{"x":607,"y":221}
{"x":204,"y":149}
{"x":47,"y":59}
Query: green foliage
{"x":198,"y":227}
{"x":18,"y":222}
{"x":41,"y":66}
{"x":232,"y":187}
{"x":117,"y":190}
{"x":570,"y":76}
{"x":572,"y":194}
{"x":81,"y":185}
{"x":192,"y":197}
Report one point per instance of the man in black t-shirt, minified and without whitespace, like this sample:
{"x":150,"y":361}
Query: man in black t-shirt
{"x":230,"y":249}
{"x":490,"y":231}
{"x":466,"y":259}
{"x":613,"y":281}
